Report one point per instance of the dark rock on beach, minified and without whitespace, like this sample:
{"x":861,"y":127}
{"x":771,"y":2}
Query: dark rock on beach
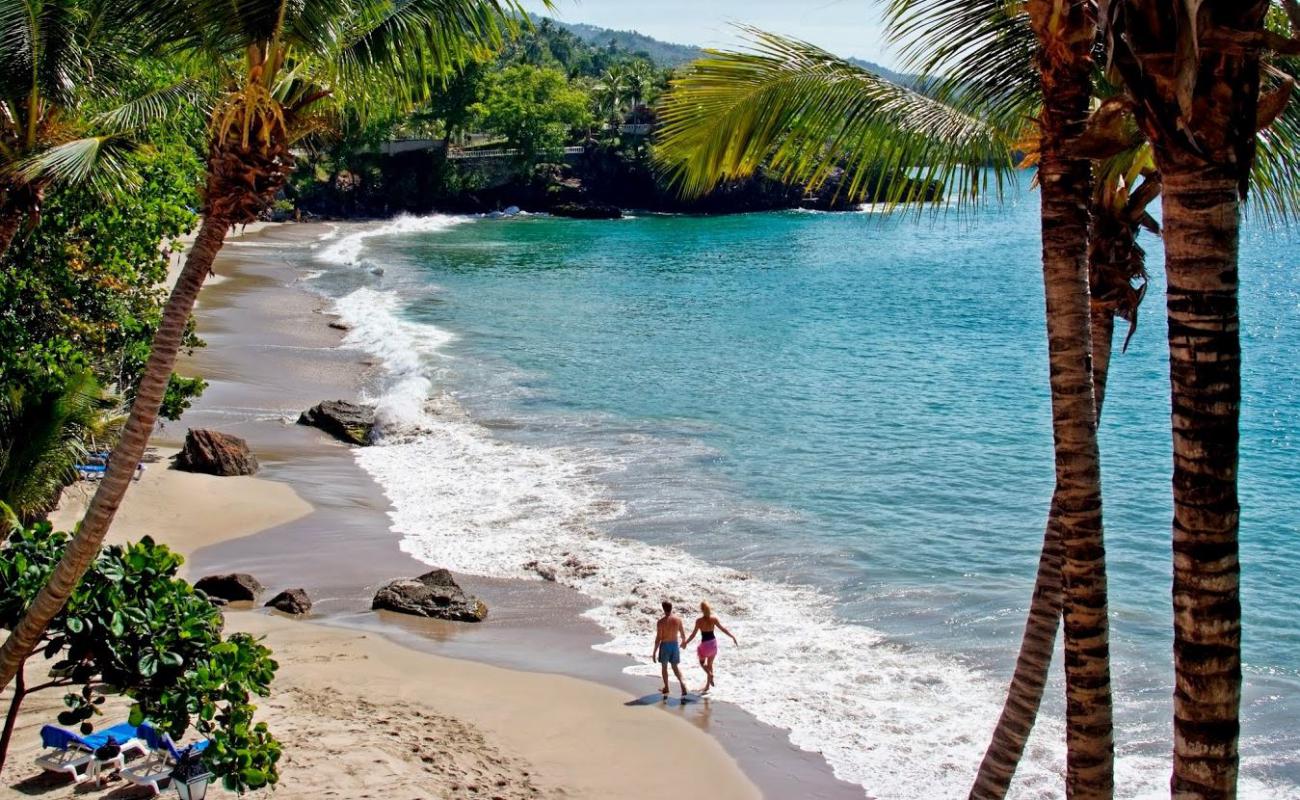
{"x":215,"y":453}
{"x":351,"y":422}
{"x":291,"y":601}
{"x":340,"y":326}
{"x":434,"y":594}
{"x":235,"y":587}
{"x":587,"y":211}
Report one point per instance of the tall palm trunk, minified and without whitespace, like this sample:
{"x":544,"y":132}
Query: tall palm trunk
{"x":11,"y":219}
{"x":1197,"y":93}
{"x":1066,"y":30}
{"x":1029,"y":679}
{"x":126,"y":456}
{"x":1201,"y":229}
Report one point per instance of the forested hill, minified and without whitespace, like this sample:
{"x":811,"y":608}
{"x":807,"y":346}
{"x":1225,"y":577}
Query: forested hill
{"x":669,"y":54}
{"x":664,"y":54}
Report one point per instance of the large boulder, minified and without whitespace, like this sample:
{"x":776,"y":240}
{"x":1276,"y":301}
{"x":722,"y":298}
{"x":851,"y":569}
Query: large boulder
{"x":433,"y":594}
{"x":215,"y":453}
{"x":351,"y":422}
{"x":587,"y":211}
{"x":291,"y":601}
{"x":234,"y":587}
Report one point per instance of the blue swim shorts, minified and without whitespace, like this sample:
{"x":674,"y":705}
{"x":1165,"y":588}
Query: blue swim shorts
{"x":670,"y":653}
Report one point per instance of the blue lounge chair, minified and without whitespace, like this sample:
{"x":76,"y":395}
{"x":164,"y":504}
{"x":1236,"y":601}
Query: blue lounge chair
{"x":95,"y":472}
{"x":72,"y":754}
{"x":156,"y":770}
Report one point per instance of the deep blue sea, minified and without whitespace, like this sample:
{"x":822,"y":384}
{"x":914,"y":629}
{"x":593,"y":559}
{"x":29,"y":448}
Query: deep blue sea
{"x":835,"y":428}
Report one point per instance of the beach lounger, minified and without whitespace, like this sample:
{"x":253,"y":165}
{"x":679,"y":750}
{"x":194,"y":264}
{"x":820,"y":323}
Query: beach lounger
{"x":95,"y":472}
{"x":72,"y":754}
{"x":156,"y":770}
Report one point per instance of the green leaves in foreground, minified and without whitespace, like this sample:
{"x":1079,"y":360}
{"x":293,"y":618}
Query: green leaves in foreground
{"x":133,"y":628}
{"x":805,"y":114}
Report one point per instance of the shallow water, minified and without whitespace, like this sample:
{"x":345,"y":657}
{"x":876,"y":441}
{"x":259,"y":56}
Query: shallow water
{"x":835,"y":427}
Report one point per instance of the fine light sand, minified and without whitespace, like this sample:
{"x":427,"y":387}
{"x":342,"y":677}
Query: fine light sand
{"x":362,"y":717}
{"x":186,"y":511}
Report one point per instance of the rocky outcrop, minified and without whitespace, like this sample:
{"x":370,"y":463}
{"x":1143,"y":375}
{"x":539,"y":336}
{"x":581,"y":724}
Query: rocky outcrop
{"x":434,"y":594}
{"x":215,"y":453}
{"x":235,"y":587}
{"x":351,"y":422}
{"x":587,"y":211}
{"x":291,"y":601}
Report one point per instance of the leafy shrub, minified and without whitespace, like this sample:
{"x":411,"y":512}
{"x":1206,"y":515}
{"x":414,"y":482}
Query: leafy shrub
{"x":133,"y":628}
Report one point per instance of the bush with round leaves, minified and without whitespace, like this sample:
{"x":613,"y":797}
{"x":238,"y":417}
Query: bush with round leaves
{"x":133,"y":628}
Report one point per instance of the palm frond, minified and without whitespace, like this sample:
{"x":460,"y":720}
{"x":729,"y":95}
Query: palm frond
{"x":413,"y":41}
{"x":1275,"y":175}
{"x":977,"y":54}
{"x":804,"y":113}
{"x":100,"y":161}
{"x":148,"y":108}
{"x":42,"y":439}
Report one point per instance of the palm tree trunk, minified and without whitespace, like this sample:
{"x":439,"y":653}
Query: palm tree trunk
{"x":1201,"y":208}
{"x":1066,"y":30}
{"x":84,"y":546}
{"x":1029,"y":679}
{"x":11,"y":718}
{"x":11,"y":219}
{"x":1089,"y":734}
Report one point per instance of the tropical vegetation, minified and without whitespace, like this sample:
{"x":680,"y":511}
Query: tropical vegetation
{"x":133,"y":629}
{"x":279,"y":71}
{"x":207,"y":113}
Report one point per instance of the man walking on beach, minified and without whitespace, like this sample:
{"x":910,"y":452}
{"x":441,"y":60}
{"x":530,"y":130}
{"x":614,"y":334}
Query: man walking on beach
{"x":670,"y":636}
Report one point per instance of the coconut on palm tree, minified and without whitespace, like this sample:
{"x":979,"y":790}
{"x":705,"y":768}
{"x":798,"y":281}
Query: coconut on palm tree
{"x":281,"y":67}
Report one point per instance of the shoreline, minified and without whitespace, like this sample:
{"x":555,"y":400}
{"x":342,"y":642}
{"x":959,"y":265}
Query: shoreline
{"x":271,"y":354}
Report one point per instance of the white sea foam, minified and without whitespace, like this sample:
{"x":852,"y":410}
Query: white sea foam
{"x":347,"y":249}
{"x":902,"y":722}
{"x":406,"y":349}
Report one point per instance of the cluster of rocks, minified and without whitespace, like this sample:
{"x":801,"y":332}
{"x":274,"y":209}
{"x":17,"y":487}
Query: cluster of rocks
{"x":587,"y":211}
{"x":240,"y":587}
{"x":435,"y":595}
{"x":571,"y":567}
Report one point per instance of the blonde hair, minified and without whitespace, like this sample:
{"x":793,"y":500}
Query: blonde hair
{"x":704,"y":608}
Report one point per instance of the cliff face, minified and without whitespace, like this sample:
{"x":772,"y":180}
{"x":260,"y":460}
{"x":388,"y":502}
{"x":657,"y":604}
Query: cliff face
{"x":419,"y":183}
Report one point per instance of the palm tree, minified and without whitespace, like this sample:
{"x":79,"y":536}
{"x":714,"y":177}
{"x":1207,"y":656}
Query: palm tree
{"x":1194,"y":75}
{"x":63,"y":115}
{"x":282,"y":66}
{"x":726,"y":121}
{"x":43,"y":436}
{"x":610,"y":91}
{"x":640,"y":79}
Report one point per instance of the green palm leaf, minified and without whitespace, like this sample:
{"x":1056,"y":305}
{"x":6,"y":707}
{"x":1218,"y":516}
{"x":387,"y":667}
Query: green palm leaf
{"x":100,"y":161}
{"x":151,"y":107}
{"x":805,"y":113}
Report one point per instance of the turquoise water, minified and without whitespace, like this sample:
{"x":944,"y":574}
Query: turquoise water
{"x":857,"y":405}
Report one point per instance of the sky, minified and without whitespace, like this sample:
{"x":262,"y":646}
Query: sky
{"x":844,"y":27}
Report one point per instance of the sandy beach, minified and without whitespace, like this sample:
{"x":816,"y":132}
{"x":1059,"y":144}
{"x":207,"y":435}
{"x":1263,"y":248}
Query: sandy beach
{"x":375,"y":705}
{"x":361,"y":716}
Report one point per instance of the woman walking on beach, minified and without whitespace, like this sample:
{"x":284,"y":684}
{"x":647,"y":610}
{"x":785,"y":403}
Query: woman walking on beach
{"x":707,"y":626}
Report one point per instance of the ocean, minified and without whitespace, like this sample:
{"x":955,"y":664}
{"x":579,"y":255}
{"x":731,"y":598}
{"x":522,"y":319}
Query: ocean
{"x":835,"y":428}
